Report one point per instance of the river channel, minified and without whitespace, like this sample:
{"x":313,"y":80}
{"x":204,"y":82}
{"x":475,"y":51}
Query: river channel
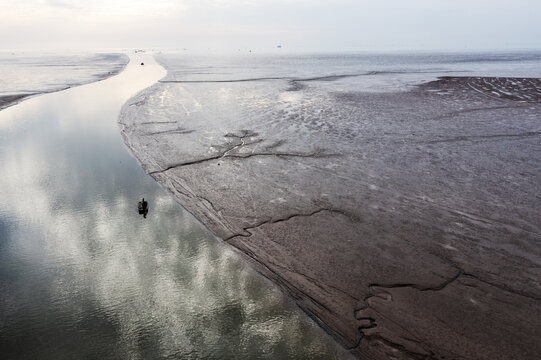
{"x":84,"y":276}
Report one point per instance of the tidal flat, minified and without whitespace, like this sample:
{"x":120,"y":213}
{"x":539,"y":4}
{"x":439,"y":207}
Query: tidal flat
{"x":395,"y":197}
{"x":27,"y":73}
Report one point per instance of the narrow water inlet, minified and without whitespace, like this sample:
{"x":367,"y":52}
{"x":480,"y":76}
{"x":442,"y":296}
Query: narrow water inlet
{"x":84,"y":275}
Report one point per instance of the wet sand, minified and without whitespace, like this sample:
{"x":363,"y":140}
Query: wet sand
{"x":406,"y":224}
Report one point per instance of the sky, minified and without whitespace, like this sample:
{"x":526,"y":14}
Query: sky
{"x":262,"y":25}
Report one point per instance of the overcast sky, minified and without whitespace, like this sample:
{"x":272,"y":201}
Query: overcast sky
{"x":298,"y":25}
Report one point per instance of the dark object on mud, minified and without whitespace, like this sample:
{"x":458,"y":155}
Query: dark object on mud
{"x":142,"y":207}
{"x":142,"y":63}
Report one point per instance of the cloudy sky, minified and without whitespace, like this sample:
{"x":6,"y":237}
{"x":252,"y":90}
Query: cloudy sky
{"x":299,"y":25}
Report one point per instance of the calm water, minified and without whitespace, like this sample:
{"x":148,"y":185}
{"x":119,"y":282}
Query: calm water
{"x":84,"y":276}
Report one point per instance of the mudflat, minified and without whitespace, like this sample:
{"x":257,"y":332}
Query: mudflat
{"x":8,"y":100}
{"x":33,"y":73}
{"x":405,"y":223}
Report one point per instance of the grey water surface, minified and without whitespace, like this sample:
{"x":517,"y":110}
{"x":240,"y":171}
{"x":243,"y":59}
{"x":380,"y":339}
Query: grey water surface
{"x":84,"y":276}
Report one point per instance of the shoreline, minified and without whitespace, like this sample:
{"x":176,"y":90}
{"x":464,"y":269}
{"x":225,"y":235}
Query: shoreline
{"x":344,"y":286}
{"x":7,"y":101}
{"x":10,"y":100}
{"x":93,"y":272}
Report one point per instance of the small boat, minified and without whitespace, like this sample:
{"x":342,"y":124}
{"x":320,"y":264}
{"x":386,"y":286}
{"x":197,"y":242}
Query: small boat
{"x":142,"y":206}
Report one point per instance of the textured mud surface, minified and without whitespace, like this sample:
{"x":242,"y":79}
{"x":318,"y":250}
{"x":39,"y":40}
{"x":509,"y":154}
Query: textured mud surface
{"x":407,"y":224}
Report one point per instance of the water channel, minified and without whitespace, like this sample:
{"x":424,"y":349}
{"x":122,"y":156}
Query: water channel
{"x":84,"y":276}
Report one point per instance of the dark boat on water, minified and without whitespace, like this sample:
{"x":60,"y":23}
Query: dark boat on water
{"x":142,"y":206}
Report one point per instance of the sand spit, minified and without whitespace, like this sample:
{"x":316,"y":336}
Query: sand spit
{"x":406,"y":224}
{"x":26,"y":75}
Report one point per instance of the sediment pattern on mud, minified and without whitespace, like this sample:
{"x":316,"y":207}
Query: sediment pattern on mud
{"x":405,"y":223}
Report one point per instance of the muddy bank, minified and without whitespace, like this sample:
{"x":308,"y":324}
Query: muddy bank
{"x":30,"y":74}
{"x":9,"y":100}
{"x":405,"y":223}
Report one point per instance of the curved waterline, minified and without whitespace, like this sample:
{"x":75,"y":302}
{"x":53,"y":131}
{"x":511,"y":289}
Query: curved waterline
{"x":83,"y":275}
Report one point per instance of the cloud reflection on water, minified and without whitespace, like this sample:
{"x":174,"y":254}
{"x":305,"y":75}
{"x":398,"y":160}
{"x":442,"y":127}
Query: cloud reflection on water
{"x":83,"y":274}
